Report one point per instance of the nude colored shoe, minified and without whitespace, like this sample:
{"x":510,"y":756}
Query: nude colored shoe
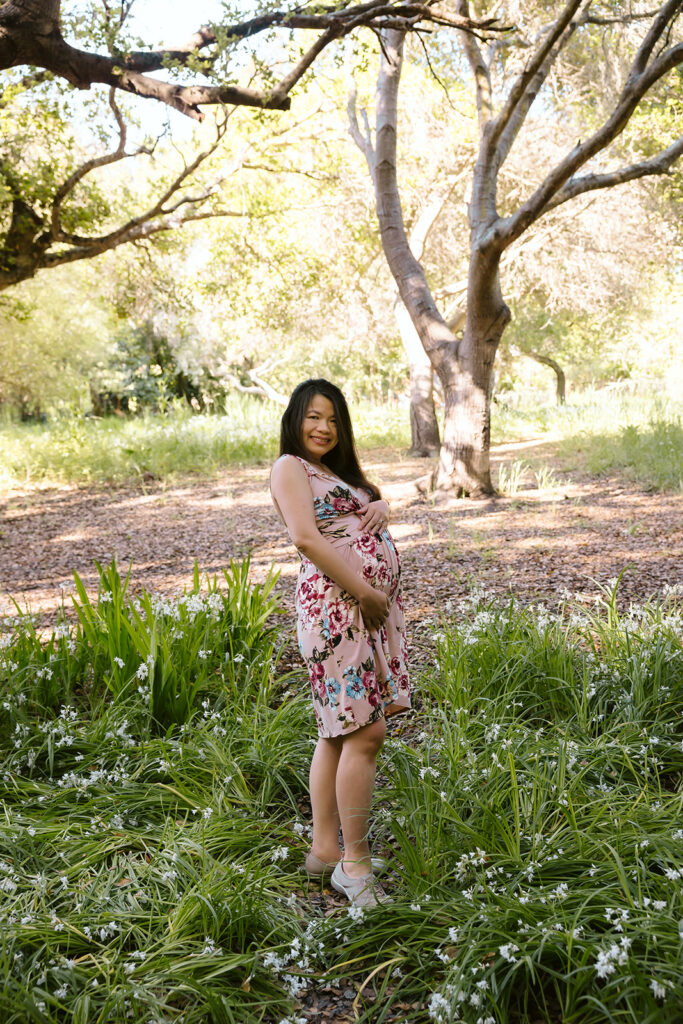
{"x":317,"y":868}
{"x":365,"y":891}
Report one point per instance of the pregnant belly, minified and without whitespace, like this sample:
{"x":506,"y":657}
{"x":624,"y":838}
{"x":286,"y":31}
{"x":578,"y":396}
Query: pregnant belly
{"x":375,"y":559}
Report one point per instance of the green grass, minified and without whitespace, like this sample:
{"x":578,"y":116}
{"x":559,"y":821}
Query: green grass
{"x":148,"y":857}
{"x":87,"y":450}
{"x":638,"y":436}
{"x":84,"y":451}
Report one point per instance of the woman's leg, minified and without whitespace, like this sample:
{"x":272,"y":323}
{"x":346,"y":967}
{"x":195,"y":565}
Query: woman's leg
{"x":322,"y":781}
{"x":355,"y":783}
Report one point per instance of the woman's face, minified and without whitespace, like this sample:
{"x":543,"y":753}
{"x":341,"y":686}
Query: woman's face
{"x":319,"y":428}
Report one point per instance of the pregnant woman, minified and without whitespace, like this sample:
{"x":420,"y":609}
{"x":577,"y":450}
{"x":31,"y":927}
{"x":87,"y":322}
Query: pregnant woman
{"x":350,"y":624}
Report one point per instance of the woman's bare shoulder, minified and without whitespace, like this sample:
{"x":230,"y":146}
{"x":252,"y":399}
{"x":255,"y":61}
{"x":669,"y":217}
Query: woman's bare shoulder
{"x":287,"y":470}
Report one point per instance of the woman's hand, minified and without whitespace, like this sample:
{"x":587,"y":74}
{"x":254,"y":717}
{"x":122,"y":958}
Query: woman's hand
{"x":374,"y":607}
{"x":375,"y":516}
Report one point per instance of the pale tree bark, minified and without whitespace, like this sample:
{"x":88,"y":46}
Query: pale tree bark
{"x":436,"y":337}
{"x":465,"y":368}
{"x":424,"y":426}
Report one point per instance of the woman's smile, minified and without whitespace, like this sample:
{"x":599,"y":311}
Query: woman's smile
{"x":319,"y":428}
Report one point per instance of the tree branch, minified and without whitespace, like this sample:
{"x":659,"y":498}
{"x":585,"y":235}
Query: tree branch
{"x":507,"y":230}
{"x":158,"y":209}
{"x":660,"y":164}
{"x":362,"y":140}
{"x":89,"y":247}
{"x":90,"y":165}
{"x":27,"y":246}
{"x":480,"y":70}
{"x":530,"y":80}
{"x":667,"y":12}
{"x":30,"y":33}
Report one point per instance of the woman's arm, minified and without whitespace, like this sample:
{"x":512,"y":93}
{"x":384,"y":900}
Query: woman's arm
{"x":291,"y":490}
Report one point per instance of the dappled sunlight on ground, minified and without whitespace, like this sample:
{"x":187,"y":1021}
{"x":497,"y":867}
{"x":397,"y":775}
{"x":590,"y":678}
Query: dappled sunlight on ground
{"x":576,"y":534}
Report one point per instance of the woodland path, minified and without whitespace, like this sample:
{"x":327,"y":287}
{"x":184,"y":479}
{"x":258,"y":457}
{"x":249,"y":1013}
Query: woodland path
{"x":575,"y":535}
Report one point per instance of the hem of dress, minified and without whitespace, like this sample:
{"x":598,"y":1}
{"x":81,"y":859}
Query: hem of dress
{"x":398,"y":704}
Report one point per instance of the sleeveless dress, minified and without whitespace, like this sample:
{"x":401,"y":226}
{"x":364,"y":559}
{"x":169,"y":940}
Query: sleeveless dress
{"x":357,"y":676}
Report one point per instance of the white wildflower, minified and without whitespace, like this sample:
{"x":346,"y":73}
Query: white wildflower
{"x":658,"y":990}
{"x":210,"y":947}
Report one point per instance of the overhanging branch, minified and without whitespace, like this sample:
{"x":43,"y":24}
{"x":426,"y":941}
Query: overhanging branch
{"x":34,"y":242}
{"x":660,"y":164}
{"x":30,"y":33}
{"x":637,"y":85}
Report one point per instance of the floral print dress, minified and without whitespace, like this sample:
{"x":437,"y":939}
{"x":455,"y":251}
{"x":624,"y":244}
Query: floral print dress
{"x":356,"y":676}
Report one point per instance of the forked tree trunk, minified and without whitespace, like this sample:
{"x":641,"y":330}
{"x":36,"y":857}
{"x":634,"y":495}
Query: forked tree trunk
{"x":464,"y":463}
{"x":464,"y":368}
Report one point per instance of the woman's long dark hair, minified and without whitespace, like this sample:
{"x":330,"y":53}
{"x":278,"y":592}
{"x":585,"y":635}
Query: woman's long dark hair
{"x":342,"y":460}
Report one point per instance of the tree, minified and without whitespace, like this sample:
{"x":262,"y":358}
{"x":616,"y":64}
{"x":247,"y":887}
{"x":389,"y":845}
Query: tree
{"x":31,"y":34}
{"x":52,"y":219}
{"x":48,"y":203}
{"x":465,"y":366}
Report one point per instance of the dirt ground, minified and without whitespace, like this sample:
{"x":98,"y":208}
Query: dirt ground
{"x":575,"y":535}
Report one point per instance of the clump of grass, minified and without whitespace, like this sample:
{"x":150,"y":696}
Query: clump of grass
{"x":532,"y":826}
{"x":545,"y":476}
{"x":511,"y":476}
{"x":536,"y":823}
{"x":80,"y":450}
{"x":650,"y":455}
{"x":146,"y":862}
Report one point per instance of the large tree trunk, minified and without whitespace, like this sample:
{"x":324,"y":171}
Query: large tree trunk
{"x":424,"y":427}
{"x":464,"y":463}
{"x":464,"y":368}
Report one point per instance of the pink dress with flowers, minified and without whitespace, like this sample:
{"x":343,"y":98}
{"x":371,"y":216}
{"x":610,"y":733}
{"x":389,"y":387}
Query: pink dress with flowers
{"x":357,"y":676}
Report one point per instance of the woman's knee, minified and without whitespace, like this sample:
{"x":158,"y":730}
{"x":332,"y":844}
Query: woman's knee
{"x":370,"y":737}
